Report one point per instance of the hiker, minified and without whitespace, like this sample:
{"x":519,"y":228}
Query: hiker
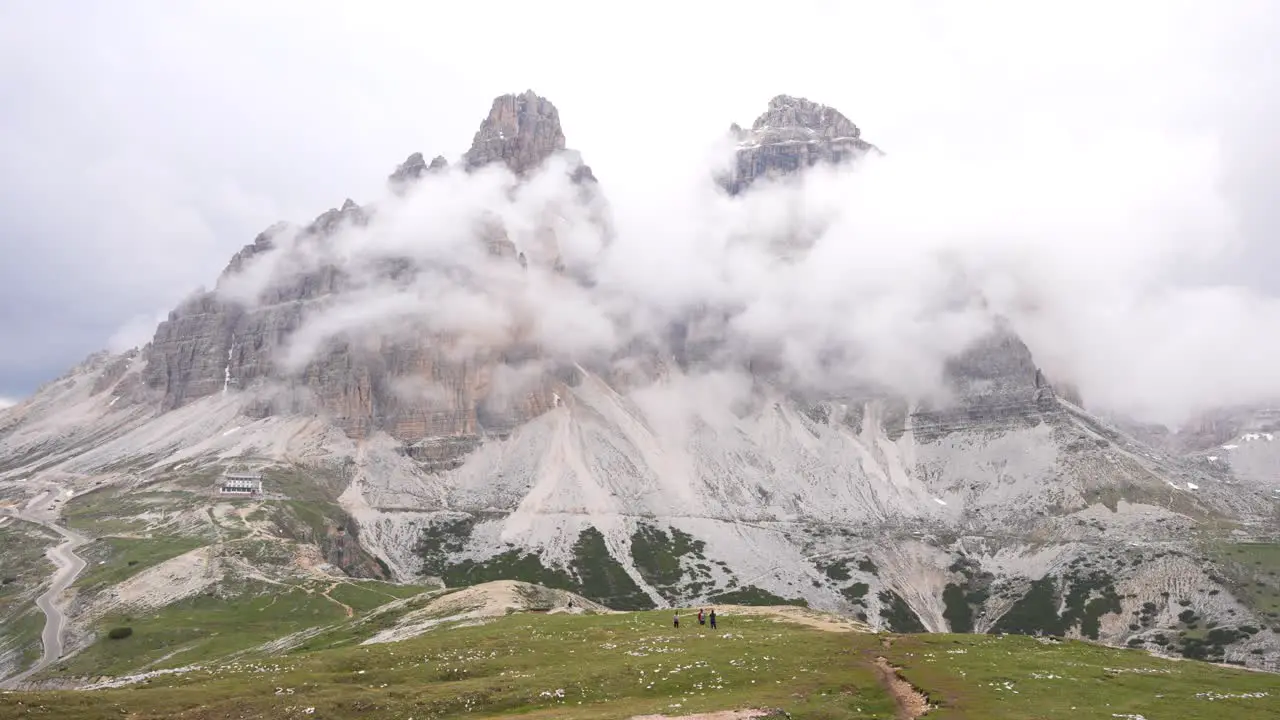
{"x":713,"y":619}
{"x":701,"y":620}
{"x":677,"y":621}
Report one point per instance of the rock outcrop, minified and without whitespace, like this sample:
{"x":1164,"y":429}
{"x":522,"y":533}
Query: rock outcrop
{"x":414,"y":385}
{"x":994,"y":382}
{"x":791,"y":135}
{"x":413,"y":168}
{"x":522,"y":132}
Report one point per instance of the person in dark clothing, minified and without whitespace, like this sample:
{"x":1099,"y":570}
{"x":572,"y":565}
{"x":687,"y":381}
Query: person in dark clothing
{"x":677,"y":621}
{"x":702,"y":620}
{"x":712,"y":618}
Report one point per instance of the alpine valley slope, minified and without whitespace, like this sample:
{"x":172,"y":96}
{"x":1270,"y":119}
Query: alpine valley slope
{"x":678,"y":468}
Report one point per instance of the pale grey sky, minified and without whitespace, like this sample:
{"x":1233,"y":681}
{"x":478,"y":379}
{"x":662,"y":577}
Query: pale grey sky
{"x":143,"y":141}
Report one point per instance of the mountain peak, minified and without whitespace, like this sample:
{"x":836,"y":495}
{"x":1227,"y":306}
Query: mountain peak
{"x":792,"y":134}
{"x":520,"y":131}
{"x":793,"y":115}
{"x":413,"y":168}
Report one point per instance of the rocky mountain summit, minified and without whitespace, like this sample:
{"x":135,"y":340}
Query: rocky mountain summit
{"x":522,"y":131}
{"x":403,"y":441}
{"x":413,"y":168}
{"x":211,"y":342}
{"x":791,"y":135}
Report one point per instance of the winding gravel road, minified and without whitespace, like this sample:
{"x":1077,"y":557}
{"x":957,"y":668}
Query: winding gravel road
{"x":68,"y":567}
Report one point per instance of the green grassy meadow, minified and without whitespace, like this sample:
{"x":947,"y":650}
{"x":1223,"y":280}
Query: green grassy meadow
{"x":621,"y":665}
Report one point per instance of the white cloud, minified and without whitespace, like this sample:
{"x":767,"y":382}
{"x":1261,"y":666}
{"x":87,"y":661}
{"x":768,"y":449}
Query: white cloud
{"x":1083,"y":245}
{"x":136,"y":332}
{"x":1106,"y":171}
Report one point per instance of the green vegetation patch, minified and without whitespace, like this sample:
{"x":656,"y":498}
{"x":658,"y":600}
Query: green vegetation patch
{"x":963,"y":600}
{"x":856,"y":593}
{"x":23,"y":546}
{"x":997,"y":678}
{"x":1252,"y":572}
{"x":1035,"y":613}
{"x":658,"y":556}
{"x":112,"y":560}
{"x":510,"y":565}
{"x":1211,"y":644}
{"x":200,"y":628}
{"x":316,"y":485}
{"x":24,"y":570}
{"x":363,"y":595}
{"x":602,"y":578}
{"x":838,"y":570}
{"x":1089,"y":596}
{"x":592,"y":573}
{"x":20,"y":632}
{"x":536,"y":666}
{"x":897,"y":614}
{"x":752,"y":595}
{"x":615,"y":666}
{"x":113,"y":510}
{"x":957,"y":612}
{"x":441,"y":539}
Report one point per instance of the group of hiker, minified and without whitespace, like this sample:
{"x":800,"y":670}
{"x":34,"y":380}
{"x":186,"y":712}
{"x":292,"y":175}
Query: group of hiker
{"x":703,"y":617}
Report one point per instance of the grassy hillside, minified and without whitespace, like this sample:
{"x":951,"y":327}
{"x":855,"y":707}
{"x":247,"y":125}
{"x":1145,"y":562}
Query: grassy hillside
{"x":112,"y":560}
{"x":209,"y":627}
{"x":626,"y":664}
{"x":22,"y":573}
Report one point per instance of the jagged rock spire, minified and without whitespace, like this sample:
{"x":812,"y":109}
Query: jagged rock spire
{"x":413,"y":168}
{"x":521,"y":131}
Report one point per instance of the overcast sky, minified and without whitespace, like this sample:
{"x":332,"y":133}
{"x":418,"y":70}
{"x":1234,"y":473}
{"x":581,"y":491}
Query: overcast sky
{"x":143,"y":142}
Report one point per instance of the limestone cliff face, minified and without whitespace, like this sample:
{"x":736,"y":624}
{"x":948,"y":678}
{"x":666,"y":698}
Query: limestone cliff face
{"x":791,"y":135}
{"x":209,"y":344}
{"x":413,"y":386}
{"x":994,"y":382}
{"x":416,"y":386}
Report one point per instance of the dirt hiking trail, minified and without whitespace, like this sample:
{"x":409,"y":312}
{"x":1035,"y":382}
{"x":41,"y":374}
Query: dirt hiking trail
{"x":911,"y":703}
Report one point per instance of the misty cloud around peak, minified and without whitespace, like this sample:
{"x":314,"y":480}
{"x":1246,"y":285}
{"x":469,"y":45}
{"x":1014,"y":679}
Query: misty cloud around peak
{"x":871,"y":273}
